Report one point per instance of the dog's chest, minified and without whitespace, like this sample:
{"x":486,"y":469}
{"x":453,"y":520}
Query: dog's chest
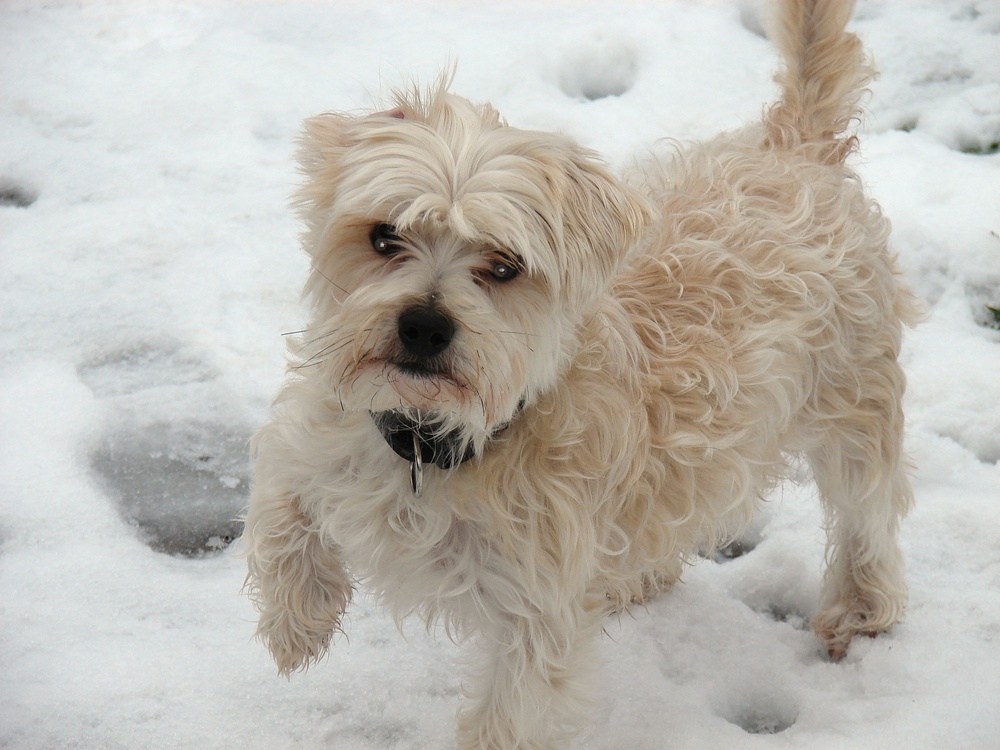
{"x":393,"y":529}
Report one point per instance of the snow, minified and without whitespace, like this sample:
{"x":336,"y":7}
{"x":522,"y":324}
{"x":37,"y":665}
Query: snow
{"x":149,"y":264}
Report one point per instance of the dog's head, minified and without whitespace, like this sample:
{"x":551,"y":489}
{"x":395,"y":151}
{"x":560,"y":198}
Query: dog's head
{"x":453,"y":259}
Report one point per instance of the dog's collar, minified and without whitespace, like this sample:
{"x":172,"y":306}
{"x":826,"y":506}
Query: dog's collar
{"x":414,"y":440}
{"x":420,"y":443}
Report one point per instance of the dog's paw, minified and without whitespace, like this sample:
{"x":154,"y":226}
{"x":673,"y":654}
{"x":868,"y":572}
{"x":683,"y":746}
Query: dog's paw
{"x":294,"y":646}
{"x":655,"y":583}
{"x":297,"y":623}
{"x":840,"y":624}
{"x":295,"y":643}
{"x":860,"y":599}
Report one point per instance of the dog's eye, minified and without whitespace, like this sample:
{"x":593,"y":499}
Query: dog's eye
{"x":384,"y":239}
{"x":504,"y":270}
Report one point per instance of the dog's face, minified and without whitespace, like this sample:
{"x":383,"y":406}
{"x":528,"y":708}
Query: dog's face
{"x":453,"y":259}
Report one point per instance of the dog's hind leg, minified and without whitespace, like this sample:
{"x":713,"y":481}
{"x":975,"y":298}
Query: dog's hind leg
{"x":861,"y":474}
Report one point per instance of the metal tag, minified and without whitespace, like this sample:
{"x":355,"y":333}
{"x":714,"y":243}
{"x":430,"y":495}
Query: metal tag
{"x":417,"y":468}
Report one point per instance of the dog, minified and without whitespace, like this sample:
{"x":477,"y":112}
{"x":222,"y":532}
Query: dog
{"x":530,"y":391}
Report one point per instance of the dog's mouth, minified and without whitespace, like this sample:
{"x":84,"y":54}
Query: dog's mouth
{"x":424,"y":387}
{"x":417,"y":370}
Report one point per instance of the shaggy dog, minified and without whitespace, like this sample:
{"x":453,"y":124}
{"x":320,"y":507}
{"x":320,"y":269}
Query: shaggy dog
{"x":530,"y":390}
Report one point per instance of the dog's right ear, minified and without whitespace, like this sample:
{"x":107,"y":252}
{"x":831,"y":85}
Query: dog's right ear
{"x":603,"y":219}
{"x":322,"y":146}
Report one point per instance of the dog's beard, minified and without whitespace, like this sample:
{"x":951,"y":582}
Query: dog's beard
{"x":381,"y":384}
{"x":439,"y":401}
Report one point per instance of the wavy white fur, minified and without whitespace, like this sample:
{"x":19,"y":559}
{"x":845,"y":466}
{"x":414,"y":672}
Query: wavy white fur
{"x":671,"y":338}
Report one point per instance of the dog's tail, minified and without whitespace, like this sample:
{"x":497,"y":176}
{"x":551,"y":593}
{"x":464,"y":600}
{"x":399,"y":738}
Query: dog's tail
{"x":824,"y":77}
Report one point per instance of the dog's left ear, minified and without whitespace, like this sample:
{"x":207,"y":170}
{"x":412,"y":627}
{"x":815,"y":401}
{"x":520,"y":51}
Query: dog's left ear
{"x":603,"y":219}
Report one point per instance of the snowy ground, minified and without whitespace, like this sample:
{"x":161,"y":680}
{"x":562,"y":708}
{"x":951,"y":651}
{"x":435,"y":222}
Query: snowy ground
{"x":148,"y":265}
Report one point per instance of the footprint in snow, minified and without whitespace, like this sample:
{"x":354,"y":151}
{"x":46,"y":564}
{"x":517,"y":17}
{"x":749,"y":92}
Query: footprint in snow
{"x":759,"y":711}
{"x":173,"y":451}
{"x":783,"y":598}
{"x":603,"y":68}
{"x":17,"y":196}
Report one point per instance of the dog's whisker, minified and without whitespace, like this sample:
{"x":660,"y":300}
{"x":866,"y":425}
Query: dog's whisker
{"x":306,"y":365}
{"x":331,"y":281}
{"x":519,"y":333}
{"x":320,"y":337}
{"x":325,"y":352}
{"x":330,"y":349}
{"x":343,"y":339}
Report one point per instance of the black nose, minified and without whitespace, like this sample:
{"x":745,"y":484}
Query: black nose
{"x":425,"y":332}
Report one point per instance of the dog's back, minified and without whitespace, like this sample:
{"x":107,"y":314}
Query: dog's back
{"x":771,"y":311}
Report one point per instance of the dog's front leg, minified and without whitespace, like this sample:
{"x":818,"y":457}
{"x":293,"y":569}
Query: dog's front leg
{"x":535,"y":684}
{"x":296,"y":581}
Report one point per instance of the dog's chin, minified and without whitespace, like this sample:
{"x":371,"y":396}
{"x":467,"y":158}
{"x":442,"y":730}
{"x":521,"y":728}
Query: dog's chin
{"x":385,"y":386}
{"x":445,"y":397}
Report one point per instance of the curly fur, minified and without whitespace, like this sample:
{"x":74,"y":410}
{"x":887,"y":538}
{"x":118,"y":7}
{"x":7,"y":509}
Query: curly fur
{"x":630,"y":396}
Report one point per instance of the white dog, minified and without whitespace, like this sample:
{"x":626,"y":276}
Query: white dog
{"x":530,"y":391}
